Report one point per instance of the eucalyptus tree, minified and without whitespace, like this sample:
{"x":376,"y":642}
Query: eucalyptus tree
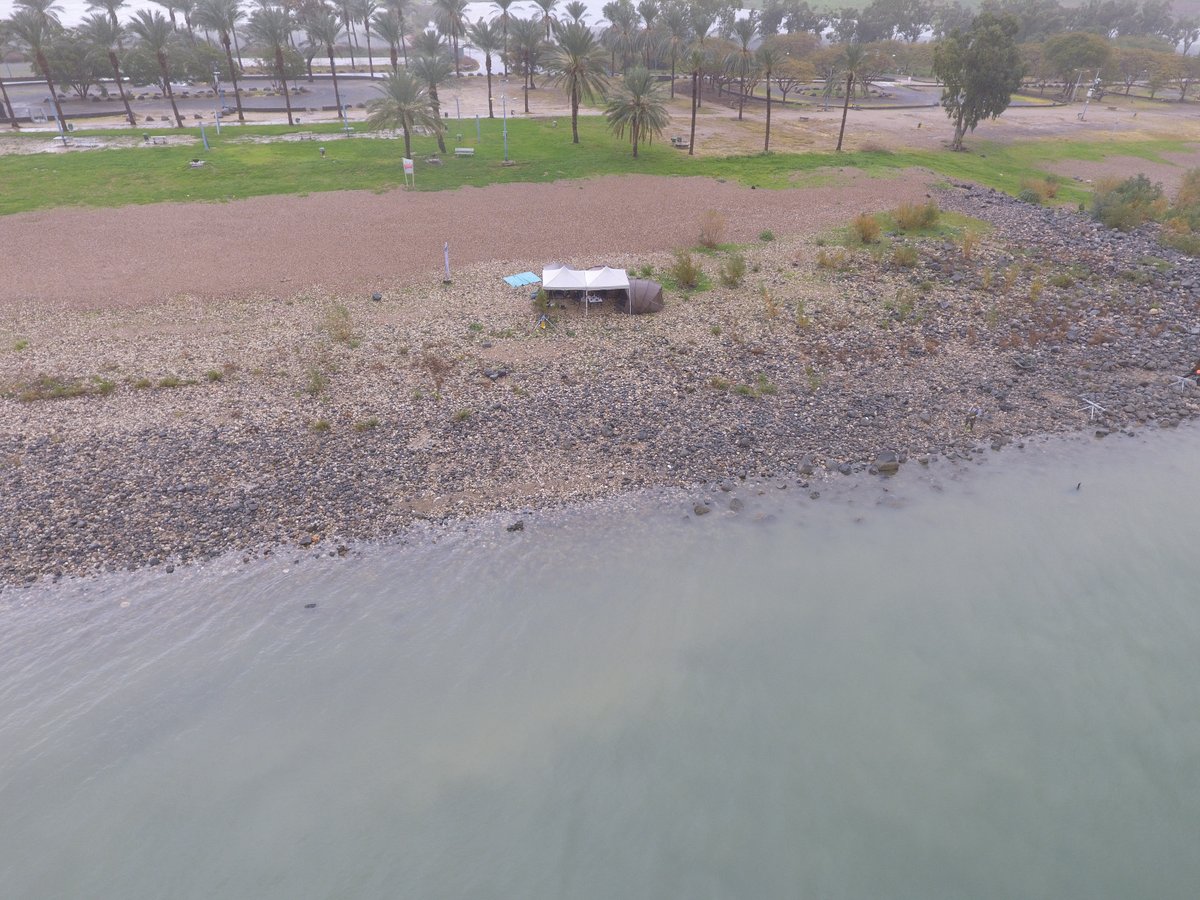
{"x":32,"y":32}
{"x":741,"y":61}
{"x":576,"y":11}
{"x":548,"y":18}
{"x":769,"y":58}
{"x":676,"y":34}
{"x":156,"y":35}
{"x":271,"y":28}
{"x":637,"y":104}
{"x":222,"y":17}
{"x":105,"y":40}
{"x":324,"y":28}
{"x":405,"y":104}
{"x":577,"y":65}
{"x":110,"y":7}
{"x":530,"y":49}
{"x":504,"y":6}
{"x":450,"y":17}
{"x":364,"y":11}
{"x":434,"y":69}
{"x":387,"y":26}
{"x":401,"y":10}
{"x":485,"y":37}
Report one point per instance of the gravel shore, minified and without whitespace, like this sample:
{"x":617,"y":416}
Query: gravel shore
{"x":318,"y":418}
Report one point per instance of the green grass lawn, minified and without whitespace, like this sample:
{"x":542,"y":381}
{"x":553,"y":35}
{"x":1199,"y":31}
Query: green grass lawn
{"x":236,"y":166}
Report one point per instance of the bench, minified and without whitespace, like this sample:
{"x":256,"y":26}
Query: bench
{"x":679,"y":143}
{"x":464,"y":151}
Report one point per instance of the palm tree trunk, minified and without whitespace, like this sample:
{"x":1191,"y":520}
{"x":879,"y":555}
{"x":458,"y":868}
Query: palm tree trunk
{"x":162,"y":64}
{"x":112,"y":58}
{"x":488,"y":64}
{"x":395,"y":59}
{"x":436,"y":103}
{"x":407,"y":140}
{"x":237,"y":47}
{"x":742,"y":98}
{"x":575,"y":115}
{"x":695,"y":91}
{"x":672,"y":77}
{"x":845,"y":110}
{"x":337,"y":95}
{"x":7,"y":108}
{"x":40,"y":57}
{"x":767,"y":139}
{"x":403,"y":45}
{"x":350,"y":43}
{"x":634,"y":134}
{"x":370,"y":58}
{"x":457,"y":70}
{"x":528,"y":80}
{"x":287,"y":97}
{"x":237,"y":95}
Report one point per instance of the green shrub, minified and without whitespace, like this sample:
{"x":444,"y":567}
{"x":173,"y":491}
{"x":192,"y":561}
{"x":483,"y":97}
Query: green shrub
{"x":339,"y":325}
{"x":214,"y":375}
{"x":1127,"y":204}
{"x":685,"y":271}
{"x":1029,"y":195}
{"x":1062,"y":280}
{"x":366,"y":424}
{"x":905,"y":256}
{"x":462,"y":415}
{"x":766,"y":235}
{"x":1186,"y":242}
{"x":315,"y":382}
{"x":865,"y":228}
{"x":733,"y":270}
{"x":20,"y":344}
{"x":320,"y":426}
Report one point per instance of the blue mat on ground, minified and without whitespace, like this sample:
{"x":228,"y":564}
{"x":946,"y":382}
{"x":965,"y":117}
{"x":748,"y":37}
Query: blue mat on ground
{"x":521,"y":279}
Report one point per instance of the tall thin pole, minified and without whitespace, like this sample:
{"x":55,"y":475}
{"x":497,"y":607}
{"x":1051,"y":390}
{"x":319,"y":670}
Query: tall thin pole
{"x":504,"y":101}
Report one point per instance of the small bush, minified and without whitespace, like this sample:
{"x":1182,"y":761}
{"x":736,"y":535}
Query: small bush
{"x":170,"y":381}
{"x":1187,"y":243}
{"x":1062,"y":280}
{"x":833,"y":259}
{"x":916,"y":217}
{"x":1042,"y":189}
{"x":967,"y":243}
{"x":462,"y":415}
{"x":770,"y":304}
{"x":315,"y":381}
{"x":733,"y":270}
{"x":51,"y":387}
{"x":320,"y":426}
{"x":646,"y":272}
{"x":476,"y":327}
{"x":685,"y":271}
{"x":904,"y":256}
{"x":712,"y":228}
{"x":142,"y":384}
{"x":767,"y":235}
{"x":1189,"y":190}
{"x":1029,"y":195}
{"x":104,"y":387}
{"x":865,"y":229}
{"x":20,"y":344}
{"x":339,"y":325}
{"x":214,"y":375}
{"x":366,"y":424}
{"x":1127,"y":204}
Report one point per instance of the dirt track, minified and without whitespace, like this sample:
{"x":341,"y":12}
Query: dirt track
{"x":358,"y":240}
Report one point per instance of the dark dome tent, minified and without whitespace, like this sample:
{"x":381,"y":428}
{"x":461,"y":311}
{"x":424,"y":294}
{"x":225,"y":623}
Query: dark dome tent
{"x":644,"y":297}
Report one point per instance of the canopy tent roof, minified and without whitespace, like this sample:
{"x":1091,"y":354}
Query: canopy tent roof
{"x":557,"y":277}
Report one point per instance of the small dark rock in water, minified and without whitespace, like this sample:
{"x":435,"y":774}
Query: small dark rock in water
{"x":342,"y":550}
{"x":519,"y":525}
{"x":845,"y":468}
{"x":310,"y":606}
{"x":736,"y":504}
{"x":306,"y":541}
{"x":887,"y":463}
{"x":701,"y":510}
{"x":377,"y":296}
{"x":170,"y":569}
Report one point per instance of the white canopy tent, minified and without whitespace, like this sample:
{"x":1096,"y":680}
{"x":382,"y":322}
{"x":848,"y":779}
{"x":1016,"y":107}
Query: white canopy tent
{"x":557,"y":277}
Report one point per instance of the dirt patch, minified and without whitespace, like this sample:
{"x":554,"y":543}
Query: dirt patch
{"x":358,"y":240}
{"x":1169,"y":174}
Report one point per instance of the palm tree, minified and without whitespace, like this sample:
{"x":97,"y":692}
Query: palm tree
{"x":503,"y":6}
{"x":547,"y":8}
{"x":105,"y":39}
{"x":742,"y":59}
{"x":110,"y":7}
{"x":400,"y":9}
{"x":578,"y":66}
{"x":675,"y":20}
{"x":222,"y":17}
{"x":702,"y":16}
{"x":696,"y":59}
{"x":433,"y":69}
{"x":324,"y":28}
{"x":576,"y":11}
{"x":187,"y":7}
{"x":450,"y":18}
{"x":271,"y":29}
{"x":622,"y":33}
{"x":637,"y":104}
{"x":155,"y":32}
{"x":485,"y":36}
{"x":527,"y":33}
{"x":769,"y":58}
{"x":346,"y":9}
{"x":46,"y":10}
{"x":404,"y":104}
{"x":6,"y":107}
{"x":32,"y":30}
{"x":387,"y":26}
{"x":171,"y":6}
{"x":854,"y":58}
{"x":365,"y":10}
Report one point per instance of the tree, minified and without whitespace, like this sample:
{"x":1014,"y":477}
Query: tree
{"x":979,"y":71}
{"x":578,"y":67}
{"x":576,"y":11}
{"x":324,"y":29}
{"x":155,"y":34}
{"x":31,"y":29}
{"x":387,"y":26}
{"x":530,"y":47}
{"x":676,"y":36}
{"x":76,"y":62}
{"x":637,"y":104}
{"x":400,"y":9}
{"x":434,"y":69}
{"x":271,"y":29}
{"x":110,"y":7}
{"x":742,"y":60}
{"x":6,"y":107}
{"x":770,"y":57}
{"x":486,"y":38}
{"x":1071,"y":54}
{"x":46,"y":10}
{"x":547,"y":8}
{"x":504,"y":6}
{"x":697,"y":59}
{"x":853,"y":62}
{"x":450,"y":18}
{"x":404,"y":103}
{"x":222,"y":17}
{"x":105,"y":37}
{"x":365,"y":11}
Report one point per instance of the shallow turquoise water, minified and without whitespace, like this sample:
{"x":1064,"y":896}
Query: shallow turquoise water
{"x":968,"y":682}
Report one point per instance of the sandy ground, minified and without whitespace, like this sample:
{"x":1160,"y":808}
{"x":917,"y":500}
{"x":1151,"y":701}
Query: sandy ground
{"x":362,"y":241}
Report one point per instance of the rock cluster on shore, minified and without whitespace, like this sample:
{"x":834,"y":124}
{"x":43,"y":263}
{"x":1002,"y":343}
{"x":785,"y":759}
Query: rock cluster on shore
{"x":153,"y":437}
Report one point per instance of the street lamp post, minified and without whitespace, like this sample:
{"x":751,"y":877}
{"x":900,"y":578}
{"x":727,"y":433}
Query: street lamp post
{"x":217,"y":96}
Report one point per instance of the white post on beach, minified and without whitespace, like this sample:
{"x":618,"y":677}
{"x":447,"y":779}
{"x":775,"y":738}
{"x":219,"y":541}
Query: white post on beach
{"x":446,"y":255}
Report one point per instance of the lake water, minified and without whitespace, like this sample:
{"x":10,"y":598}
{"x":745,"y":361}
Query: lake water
{"x":972,"y":681}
